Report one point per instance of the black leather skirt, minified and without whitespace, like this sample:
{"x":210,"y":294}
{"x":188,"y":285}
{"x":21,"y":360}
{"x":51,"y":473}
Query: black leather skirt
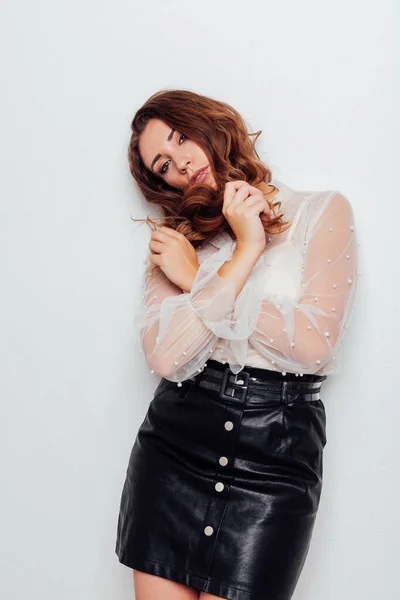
{"x":224,"y":481}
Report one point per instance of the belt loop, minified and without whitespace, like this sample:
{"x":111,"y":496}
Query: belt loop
{"x":284,"y":394}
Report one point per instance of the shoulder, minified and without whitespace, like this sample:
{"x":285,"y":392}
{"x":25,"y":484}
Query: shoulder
{"x":330,"y":201}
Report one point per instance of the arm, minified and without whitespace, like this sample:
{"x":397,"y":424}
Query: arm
{"x":303,"y":336}
{"x":180,"y":330}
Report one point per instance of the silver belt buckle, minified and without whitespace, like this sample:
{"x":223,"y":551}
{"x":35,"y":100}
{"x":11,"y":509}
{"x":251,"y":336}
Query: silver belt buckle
{"x":236,"y":386}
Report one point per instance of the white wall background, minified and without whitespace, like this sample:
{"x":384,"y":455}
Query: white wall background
{"x":319,"y":79}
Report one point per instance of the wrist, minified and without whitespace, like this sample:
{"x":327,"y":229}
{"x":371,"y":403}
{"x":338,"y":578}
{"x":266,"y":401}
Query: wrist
{"x":248,"y":252}
{"x":189,"y":280}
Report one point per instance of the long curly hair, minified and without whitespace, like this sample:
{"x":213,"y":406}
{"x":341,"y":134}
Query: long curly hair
{"x":220,"y":131}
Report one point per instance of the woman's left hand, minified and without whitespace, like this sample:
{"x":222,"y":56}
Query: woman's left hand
{"x":175,"y":256}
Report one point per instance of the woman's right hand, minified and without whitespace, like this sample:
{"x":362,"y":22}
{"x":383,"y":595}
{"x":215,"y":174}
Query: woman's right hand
{"x":244,"y":206}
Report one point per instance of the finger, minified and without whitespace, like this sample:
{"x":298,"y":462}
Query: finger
{"x":251,"y":200}
{"x":267,"y":214}
{"x":255,"y":194}
{"x":171,"y":232}
{"x":241,"y":194}
{"x":160,"y":236}
{"x":156,"y":246}
{"x":257,"y":206}
{"x":155,"y":259}
{"x":265,"y":210}
{"x":255,"y":209}
{"x":236,"y":184}
{"x":230,"y":190}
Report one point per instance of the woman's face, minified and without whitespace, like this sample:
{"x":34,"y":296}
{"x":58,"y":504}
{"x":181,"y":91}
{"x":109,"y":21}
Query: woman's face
{"x":172,"y":156}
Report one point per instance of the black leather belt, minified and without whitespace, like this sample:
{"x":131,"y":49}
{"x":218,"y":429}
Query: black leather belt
{"x":255,"y":383}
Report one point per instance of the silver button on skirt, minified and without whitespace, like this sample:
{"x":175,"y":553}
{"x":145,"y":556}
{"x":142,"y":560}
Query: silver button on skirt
{"x":223,"y":482}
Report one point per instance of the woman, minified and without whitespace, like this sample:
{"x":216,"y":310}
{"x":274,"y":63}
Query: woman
{"x":243,"y":315}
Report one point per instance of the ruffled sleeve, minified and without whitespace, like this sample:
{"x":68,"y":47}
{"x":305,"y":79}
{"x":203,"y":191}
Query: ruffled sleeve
{"x":179,"y":330}
{"x":297,"y":303}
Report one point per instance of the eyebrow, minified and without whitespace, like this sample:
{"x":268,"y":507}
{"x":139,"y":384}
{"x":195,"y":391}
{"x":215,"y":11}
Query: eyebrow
{"x":169,"y":138}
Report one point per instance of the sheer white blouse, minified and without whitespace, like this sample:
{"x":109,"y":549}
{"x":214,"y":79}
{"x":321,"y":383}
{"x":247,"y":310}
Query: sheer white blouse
{"x":290,"y":316}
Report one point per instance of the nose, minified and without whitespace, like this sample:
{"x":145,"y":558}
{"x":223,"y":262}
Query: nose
{"x":185,"y":162}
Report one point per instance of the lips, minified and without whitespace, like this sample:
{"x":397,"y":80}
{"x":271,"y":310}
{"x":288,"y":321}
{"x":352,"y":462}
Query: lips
{"x":200,"y":172}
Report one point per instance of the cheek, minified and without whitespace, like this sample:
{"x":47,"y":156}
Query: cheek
{"x":199,"y":153}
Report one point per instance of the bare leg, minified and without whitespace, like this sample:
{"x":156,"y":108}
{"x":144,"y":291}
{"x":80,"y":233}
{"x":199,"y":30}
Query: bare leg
{"x":206,"y":596}
{"x":154,"y":587}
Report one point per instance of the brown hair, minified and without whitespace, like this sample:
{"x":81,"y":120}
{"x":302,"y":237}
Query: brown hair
{"x":220,"y":131}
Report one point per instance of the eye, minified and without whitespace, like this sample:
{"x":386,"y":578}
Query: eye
{"x":162,"y":170}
